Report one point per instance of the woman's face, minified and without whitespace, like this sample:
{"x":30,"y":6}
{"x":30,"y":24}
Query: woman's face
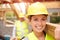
{"x":38,"y":22}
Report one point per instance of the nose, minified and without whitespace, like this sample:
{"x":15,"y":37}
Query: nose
{"x":40,"y":22}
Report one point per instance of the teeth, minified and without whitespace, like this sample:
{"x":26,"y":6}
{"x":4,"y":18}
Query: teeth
{"x":39,"y":27}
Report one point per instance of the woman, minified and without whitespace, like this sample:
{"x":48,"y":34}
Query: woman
{"x":37,"y":16}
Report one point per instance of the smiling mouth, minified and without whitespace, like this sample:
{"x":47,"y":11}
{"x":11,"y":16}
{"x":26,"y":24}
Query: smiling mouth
{"x":38,"y":27}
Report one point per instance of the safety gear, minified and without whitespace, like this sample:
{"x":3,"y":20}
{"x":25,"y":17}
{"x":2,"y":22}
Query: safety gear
{"x":21,"y":29}
{"x":36,"y":9}
{"x":32,"y":36}
{"x":21,"y":15}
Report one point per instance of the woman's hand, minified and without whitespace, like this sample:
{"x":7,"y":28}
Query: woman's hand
{"x":13,"y":38}
{"x":57,"y":33}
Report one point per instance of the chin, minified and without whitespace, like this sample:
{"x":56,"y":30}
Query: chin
{"x":39,"y":31}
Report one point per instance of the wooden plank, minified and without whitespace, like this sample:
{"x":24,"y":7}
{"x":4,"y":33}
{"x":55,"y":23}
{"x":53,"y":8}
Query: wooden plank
{"x":15,"y":10}
{"x":50,"y":28}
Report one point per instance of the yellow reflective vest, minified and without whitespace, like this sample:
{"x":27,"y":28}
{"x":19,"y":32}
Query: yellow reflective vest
{"x":21,"y":29}
{"x":32,"y":36}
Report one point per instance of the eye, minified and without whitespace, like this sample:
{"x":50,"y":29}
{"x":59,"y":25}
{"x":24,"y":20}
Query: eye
{"x":35,"y":19}
{"x":43,"y":19}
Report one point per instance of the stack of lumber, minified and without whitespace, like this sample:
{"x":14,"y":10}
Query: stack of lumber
{"x":50,"y":28}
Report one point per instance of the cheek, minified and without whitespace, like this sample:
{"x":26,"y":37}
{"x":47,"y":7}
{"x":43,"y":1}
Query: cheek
{"x":44,"y":24}
{"x":33,"y":24}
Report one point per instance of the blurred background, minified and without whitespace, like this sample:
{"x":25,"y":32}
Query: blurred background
{"x":8,"y":13}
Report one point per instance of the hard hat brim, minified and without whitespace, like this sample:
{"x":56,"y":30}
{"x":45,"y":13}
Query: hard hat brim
{"x":38,"y":13}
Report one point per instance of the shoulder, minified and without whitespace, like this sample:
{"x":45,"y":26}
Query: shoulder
{"x":28,"y":36}
{"x":49,"y":37}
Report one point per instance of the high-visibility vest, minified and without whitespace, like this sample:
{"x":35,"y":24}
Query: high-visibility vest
{"x":32,"y":36}
{"x":21,"y":29}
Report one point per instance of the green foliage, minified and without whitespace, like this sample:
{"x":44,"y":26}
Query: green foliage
{"x":55,"y":13}
{"x":55,"y":19}
{"x":9,"y":14}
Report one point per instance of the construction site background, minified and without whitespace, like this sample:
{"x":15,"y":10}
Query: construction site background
{"x":8,"y":16}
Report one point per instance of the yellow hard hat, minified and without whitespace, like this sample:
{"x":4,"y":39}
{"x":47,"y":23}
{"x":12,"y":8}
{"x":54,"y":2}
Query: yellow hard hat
{"x":36,"y":9}
{"x":21,"y":15}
